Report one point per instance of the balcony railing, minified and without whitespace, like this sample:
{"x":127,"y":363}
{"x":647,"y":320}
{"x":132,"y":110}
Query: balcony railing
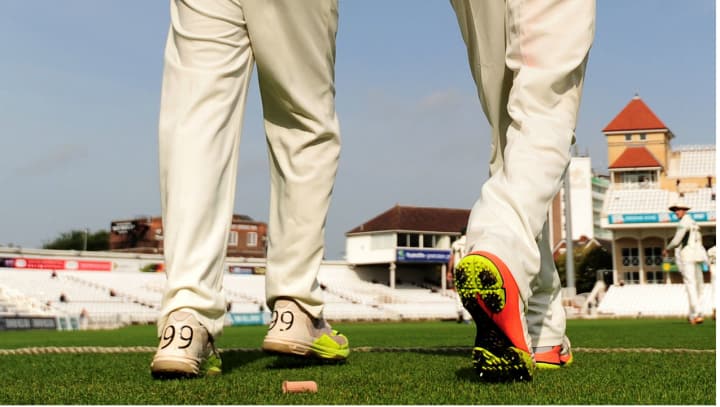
{"x":637,"y":185}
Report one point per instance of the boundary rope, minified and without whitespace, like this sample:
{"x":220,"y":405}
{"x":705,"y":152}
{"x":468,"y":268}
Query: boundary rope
{"x":44,"y":350}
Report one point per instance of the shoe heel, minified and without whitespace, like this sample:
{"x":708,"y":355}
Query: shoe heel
{"x":482,"y":291}
{"x":473,"y":278}
{"x":169,"y":368}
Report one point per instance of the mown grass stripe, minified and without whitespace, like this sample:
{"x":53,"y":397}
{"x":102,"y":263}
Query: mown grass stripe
{"x":362,"y":349}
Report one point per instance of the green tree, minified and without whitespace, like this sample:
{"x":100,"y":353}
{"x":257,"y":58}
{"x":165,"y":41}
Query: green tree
{"x":587,"y":261}
{"x":75,"y":240}
{"x":597,"y":258}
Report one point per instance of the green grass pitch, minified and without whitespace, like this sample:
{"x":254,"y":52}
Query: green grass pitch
{"x":633,"y":361}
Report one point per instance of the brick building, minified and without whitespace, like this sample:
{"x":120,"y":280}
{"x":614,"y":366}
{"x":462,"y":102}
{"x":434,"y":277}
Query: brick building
{"x":144,"y":235}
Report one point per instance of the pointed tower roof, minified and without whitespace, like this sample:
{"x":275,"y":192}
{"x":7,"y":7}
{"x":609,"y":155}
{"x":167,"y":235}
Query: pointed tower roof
{"x":636,"y":157}
{"x":635,"y":116}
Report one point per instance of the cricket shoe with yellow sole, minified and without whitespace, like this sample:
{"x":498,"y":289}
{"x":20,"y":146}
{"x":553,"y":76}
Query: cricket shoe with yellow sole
{"x":554,"y":357}
{"x":186,"y":349}
{"x":489,"y":292}
{"x":292,"y":331}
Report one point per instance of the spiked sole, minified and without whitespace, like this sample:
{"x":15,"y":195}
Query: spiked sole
{"x":494,"y":357}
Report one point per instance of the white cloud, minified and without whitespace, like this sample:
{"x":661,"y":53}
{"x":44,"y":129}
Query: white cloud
{"x":58,"y":157}
{"x":441,"y":100}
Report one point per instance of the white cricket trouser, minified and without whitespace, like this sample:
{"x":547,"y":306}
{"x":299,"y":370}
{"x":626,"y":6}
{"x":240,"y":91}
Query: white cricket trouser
{"x":211,"y":49}
{"x":692,"y":276}
{"x":528,"y":61}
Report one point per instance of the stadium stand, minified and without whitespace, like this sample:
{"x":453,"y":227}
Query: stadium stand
{"x":637,"y":200}
{"x":13,"y":302}
{"x":110,"y":299}
{"x":656,"y":300}
{"x":633,"y":200}
{"x":406,"y":301}
{"x":243,"y":288}
{"x":70,"y":294}
{"x":696,"y":161}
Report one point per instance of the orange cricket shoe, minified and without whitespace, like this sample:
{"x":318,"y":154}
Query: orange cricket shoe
{"x":556,"y":357}
{"x":489,"y":292}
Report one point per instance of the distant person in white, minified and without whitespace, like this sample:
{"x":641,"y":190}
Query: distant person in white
{"x":689,"y":256}
{"x":711,"y":261}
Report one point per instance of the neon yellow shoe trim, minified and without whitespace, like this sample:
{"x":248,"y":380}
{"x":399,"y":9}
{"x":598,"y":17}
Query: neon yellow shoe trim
{"x":327,"y":348}
{"x":492,"y":294}
{"x":212,"y":366}
{"x":547,"y":366}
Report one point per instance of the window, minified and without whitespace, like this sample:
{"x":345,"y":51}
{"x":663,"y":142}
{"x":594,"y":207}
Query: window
{"x":429,"y":240}
{"x":408,"y":240}
{"x":643,"y":136}
{"x":631,"y":277}
{"x":638,"y":177}
{"x":630,"y":257}
{"x":402,"y":240}
{"x":414,"y":240}
{"x":655,"y":277}
{"x":653,"y":256}
{"x":233,"y":238}
{"x":252,"y":239}
{"x":628,"y":137}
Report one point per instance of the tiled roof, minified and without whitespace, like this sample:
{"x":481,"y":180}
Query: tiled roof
{"x":635,"y":157}
{"x":635,"y":116}
{"x":412,"y":218}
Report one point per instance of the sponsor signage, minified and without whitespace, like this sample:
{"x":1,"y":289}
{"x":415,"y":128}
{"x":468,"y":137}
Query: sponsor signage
{"x":247,"y":318}
{"x":21,"y":323}
{"x":423,"y":256}
{"x":56,"y":264}
{"x":240,"y":270}
{"x":122,"y":228}
{"x":667,"y":217}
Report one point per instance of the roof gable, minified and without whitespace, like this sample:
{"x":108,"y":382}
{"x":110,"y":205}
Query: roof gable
{"x":635,"y":157}
{"x":444,"y":220}
{"x":635,"y":116}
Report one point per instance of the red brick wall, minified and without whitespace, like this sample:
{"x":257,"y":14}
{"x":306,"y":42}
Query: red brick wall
{"x":145,"y":235}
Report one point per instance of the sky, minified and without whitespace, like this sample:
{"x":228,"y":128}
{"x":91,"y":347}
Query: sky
{"x":79,"y":100}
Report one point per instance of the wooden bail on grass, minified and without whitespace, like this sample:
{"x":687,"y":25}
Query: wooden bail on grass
{"x":299,"y":387}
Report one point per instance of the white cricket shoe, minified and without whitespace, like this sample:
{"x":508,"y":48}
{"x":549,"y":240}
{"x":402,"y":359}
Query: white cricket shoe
{"x":293,"y":331}
{"x":186,"y":349}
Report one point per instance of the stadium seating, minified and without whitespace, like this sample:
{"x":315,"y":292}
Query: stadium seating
{"x":79,"y":293}
{"x":657,"y":300}
{"x":136,"y":297}
{"x":696,"y":161}
{"x":621,"y":201}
